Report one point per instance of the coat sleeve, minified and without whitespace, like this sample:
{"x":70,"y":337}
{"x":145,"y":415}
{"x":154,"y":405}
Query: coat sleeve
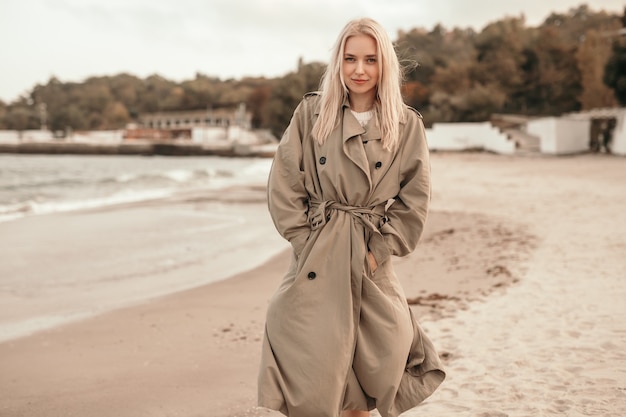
{"x":287,"y":196}
{"x":407,"y":214}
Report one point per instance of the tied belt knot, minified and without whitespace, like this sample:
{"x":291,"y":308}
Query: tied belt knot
{"x":319,"y":214}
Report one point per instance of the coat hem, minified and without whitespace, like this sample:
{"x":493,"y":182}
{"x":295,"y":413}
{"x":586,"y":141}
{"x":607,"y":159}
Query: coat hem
{"x":276,"y":405}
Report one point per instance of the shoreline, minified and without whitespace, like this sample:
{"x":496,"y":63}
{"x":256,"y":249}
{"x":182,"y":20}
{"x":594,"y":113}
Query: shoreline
{"x":136,"y":147}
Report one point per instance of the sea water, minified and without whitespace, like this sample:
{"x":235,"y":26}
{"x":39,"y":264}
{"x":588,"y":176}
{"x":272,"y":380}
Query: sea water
{"x":73,"y":265}
{"x":40,"y":184}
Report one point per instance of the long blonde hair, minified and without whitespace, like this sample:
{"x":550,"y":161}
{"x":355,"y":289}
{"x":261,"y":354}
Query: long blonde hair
{"x":389,"y":105}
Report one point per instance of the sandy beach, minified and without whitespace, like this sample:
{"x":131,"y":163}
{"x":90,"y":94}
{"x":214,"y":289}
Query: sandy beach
{"x":520,"y":280}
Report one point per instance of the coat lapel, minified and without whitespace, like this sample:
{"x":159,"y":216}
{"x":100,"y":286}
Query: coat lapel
{"x":373,"y":131}
{"x":352,"y":143}
{"x":379,"y":159}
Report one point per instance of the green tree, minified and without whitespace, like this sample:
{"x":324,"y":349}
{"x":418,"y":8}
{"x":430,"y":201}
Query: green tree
{"x":615,"y":72}
{"x":257,"y":100}
{"x":159,"y":94}
{"x":287,"y":92}
{"x":127,"y":89}
{"x":476,"y":104}
{"x":232,"y":93}
{"x":416,"y":94}
{"x":615,"y":69}
{"x":574,"y":24}
{"x":3,"y":112}
{"x":200,"y":92}
{"x":499,"y":60}
{"x":558,"y":81}
{"x":592,"y":57}
{"x":21,"y":116}
{"x":55,"y":95}
{"x":449,"y":84}
{"x":93,"y":97}
{"x":116,"y":115}
{"x":69,"y":117}
{"x":424,"y":53}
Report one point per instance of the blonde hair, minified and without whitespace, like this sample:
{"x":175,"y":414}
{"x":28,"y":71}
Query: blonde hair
{"x":388,"y":105}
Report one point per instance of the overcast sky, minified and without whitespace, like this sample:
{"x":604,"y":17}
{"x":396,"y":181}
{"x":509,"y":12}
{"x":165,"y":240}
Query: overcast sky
{"x":75,"y":39}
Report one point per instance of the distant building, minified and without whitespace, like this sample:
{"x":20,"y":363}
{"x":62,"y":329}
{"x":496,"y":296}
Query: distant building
{"x":198,"y":118}
{"x":607,"y":129}
{"x":211,"y":125}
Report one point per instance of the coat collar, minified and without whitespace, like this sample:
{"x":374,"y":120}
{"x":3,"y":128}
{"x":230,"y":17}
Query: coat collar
{"x":352,"y":127}
{"x":349,"y":125}
{"x":346,"y":103}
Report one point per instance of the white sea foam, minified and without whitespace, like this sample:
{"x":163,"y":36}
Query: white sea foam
{"x":117,"y":198}
{"x":179,"y":175}
{"x":126,"y":177}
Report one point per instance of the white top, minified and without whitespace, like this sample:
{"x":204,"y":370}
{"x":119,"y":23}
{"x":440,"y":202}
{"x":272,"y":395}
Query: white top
{"x":363,"y":117}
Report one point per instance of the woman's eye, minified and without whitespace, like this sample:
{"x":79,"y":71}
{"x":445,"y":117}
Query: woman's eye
{"x":371,"y":61}
{"x":349,"y":59}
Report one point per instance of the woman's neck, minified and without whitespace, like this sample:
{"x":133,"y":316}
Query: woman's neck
{"x":361,"y":103}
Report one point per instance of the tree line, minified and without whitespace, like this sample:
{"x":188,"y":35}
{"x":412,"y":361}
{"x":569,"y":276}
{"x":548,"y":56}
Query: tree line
{"x":573,"y":61}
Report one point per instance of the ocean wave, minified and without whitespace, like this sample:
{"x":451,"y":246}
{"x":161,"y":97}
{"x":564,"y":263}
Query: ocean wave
{"x":15,"y":211}
{"x":178,"y":176}
{"x":259,"y":169}
{"x":41,"y":183}
{"x":52,"y":188}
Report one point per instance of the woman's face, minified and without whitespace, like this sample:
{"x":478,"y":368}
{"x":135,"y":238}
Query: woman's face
{"x":360,"y":65}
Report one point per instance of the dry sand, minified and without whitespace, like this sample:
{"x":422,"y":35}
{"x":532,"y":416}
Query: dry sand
{"x":519,"y":280}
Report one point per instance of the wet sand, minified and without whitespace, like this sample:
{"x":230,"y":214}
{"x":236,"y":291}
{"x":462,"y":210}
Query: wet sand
{"x":519,"y":280}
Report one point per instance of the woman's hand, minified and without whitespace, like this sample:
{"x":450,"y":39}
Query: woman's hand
{"x":372,"y":261}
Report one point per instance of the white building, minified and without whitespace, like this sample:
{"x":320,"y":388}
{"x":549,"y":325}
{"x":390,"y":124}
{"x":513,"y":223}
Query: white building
{"x":467,"y":136}
{"x":220,"y":118}
{"x":561,"y":135}
{"x":618,"y":132}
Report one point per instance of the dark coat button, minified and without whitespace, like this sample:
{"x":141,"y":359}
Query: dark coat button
{"x":378,"y":164}
{"x":311,"y":275}
{"x":323,"y":160}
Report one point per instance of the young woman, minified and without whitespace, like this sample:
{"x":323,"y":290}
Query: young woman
{"x":349,"y":187}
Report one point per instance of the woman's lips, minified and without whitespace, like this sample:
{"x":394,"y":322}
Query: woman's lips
{"x":359,"y":81}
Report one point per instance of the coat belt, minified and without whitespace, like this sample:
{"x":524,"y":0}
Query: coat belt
{"x":319,"y":214}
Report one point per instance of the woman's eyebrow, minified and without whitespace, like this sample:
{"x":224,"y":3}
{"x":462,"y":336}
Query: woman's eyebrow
{"x":366,"y":56}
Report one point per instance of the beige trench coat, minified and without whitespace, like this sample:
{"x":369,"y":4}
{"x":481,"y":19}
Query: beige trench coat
{"x":339,"y":336}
